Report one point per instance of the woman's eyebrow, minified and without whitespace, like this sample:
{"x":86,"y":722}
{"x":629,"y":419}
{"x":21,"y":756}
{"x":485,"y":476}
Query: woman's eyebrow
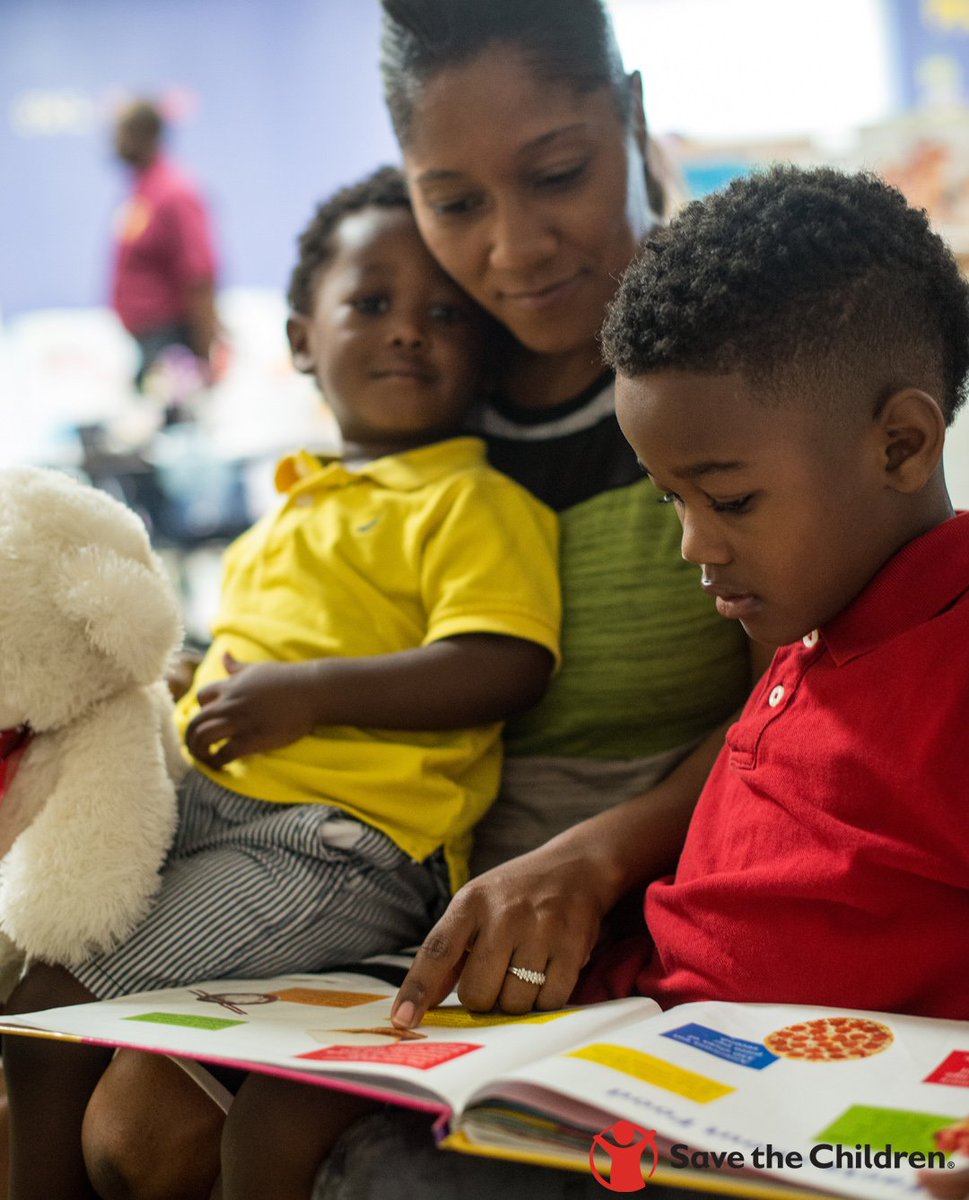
{"x":544,"y":138}
{"x":444,"y":175}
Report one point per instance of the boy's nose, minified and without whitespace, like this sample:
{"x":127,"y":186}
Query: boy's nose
{"x":408,"y":338}
{"x":701,"y":542}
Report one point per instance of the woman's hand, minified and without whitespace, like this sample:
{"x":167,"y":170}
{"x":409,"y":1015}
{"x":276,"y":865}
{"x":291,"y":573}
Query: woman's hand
{"x":259,"y":707}
{"x":542,"y":911}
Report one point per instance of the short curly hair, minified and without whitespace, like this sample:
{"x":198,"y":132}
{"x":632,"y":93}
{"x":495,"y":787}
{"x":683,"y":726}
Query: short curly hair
{"x":384,"y":188}
{"x":811,"y":279}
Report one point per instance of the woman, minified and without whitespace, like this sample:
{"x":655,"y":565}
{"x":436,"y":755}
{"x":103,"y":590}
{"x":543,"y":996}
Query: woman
{"x":527,"y":156}
{"x":529,"y":166}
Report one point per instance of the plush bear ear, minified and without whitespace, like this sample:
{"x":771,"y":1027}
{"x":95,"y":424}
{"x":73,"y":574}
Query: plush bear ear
{"x":128,"y":611}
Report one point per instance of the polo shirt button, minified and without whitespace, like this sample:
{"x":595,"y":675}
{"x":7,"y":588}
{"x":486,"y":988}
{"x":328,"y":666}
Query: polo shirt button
{"x":776,"y":696}
{"x":810,"y":639}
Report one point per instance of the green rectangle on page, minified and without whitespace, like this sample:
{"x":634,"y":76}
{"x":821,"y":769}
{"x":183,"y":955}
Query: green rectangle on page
{"x":865,"y":1125}
{"x":194,"y":1022}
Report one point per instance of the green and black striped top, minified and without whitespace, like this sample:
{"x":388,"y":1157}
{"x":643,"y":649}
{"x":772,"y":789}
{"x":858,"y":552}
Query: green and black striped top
{"x":648,"y":664}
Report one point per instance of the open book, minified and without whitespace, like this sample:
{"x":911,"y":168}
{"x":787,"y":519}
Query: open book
{"x":752,"y":1099}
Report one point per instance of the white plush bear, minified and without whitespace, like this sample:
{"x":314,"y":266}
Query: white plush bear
{"x":89,"y":756}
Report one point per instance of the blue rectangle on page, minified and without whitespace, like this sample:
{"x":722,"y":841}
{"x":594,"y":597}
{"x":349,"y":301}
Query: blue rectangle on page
{"x":733,"y":1049}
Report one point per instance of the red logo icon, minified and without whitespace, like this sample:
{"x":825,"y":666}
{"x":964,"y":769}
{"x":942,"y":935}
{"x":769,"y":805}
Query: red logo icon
{"x":625,"y":1144}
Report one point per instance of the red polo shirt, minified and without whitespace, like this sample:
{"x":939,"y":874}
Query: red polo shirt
{"x":164,"y":245}
{"x":828,"y":859}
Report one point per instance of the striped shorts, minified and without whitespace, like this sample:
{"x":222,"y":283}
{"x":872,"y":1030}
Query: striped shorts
{"x":252,"y":889}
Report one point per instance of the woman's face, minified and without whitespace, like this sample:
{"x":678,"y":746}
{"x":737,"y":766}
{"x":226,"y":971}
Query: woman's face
{"x":520,"y":190}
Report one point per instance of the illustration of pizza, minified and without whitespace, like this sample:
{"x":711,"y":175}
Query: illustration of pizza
{"x":830,"y":1039}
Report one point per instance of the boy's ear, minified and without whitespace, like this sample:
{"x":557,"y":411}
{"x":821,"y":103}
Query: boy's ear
{"x":912,"y":429}
{"x":298,"y":334}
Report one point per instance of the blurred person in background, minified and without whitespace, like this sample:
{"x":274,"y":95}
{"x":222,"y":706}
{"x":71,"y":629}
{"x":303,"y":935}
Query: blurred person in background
{"x":164,"y":264}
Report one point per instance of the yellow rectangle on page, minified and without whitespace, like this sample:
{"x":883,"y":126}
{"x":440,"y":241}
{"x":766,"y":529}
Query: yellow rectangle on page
{"x":657,"y":1071}
{"x":451,"y":1016}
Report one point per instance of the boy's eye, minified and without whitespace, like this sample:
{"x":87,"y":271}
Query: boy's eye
{"x":371,"y":306}
{"x":736,"y":507}
{"x":741,"y":505}
{"x":448,"y":314}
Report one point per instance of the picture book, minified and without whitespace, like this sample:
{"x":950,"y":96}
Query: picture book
{"x":753,"y":1099}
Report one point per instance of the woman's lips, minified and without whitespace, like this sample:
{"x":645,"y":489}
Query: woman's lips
{"x":543,"y":297}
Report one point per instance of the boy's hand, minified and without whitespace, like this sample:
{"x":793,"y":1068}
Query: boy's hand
{"x":259,"y":707}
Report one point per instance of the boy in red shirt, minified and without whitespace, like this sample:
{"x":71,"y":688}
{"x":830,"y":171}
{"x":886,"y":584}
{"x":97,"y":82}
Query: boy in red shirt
{"x":790,"y":352}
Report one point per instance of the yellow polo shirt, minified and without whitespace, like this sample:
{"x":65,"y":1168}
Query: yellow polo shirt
{"x":405,"y":551}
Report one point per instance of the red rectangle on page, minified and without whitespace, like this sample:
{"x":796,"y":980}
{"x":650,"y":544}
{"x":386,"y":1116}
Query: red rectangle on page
{"x":421,"y":1055}
{"x":954,"y":1072}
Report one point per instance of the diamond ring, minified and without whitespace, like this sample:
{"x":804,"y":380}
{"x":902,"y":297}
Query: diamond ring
{"x":526,"y":976}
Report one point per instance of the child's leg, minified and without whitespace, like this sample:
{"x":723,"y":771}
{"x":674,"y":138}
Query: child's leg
{"x":151,"y":1132}
{"x":251,"y":890}
{"x":278,"y":1132}
{"x":48,"y":1085}
{"x":944,"y":1184}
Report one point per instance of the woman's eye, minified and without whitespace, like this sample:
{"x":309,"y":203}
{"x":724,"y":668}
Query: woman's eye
{"x":669,"y":498}
{"x":563,"y":178}
{"x":459,"y":206}
{"x":371,"y":306}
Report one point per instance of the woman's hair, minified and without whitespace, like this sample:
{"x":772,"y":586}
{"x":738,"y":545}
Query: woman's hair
{"x":384,"y":188}
{"x":798,"y":276}
{"x":568,"y":42}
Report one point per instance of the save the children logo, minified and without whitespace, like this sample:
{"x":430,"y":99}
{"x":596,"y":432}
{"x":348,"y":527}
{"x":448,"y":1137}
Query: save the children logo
{"x":625,"y":1143}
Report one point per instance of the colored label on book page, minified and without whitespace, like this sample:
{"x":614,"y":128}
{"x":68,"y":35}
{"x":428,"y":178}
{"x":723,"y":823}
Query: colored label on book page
{"x":657,"y":1071}
{"x":327,"y":997}
{"x":953,"y":1072}
{"x":866,"y":1125}
{"x":721,"y":1045}
{"x":421,"y":1055}
{"x":453,"y":1017}
{"x":192,"y":1020}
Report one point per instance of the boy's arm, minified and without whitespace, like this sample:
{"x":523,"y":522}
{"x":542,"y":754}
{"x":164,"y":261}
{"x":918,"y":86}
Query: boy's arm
{"x":453,"y":683}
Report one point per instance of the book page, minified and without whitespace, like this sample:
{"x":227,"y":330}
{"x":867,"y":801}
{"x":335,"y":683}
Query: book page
{"x":331,"y":1029}
{"x":809,"y":1096}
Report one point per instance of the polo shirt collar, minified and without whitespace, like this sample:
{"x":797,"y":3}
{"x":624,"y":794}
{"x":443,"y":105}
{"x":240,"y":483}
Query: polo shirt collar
{"x":921,"y":581}
{"x":397,"y":472}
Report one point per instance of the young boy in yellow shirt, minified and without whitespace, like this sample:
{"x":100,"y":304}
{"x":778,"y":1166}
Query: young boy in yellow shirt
{"x":374,"y":632}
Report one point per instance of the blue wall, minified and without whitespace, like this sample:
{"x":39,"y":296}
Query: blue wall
{"x":275,"y":103}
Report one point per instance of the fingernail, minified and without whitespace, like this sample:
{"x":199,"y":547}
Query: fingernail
{"x":405,"y":1015}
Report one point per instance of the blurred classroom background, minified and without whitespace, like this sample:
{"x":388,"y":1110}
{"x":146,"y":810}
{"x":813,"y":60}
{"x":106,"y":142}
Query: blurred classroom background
{"x":272,"y":104}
